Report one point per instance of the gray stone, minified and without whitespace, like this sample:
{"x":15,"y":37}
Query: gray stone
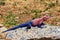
{"x":34,"y":32}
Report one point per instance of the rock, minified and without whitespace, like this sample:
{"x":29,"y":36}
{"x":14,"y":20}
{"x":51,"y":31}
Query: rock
{"x":2,"y":29}
{"x":47,"y":31}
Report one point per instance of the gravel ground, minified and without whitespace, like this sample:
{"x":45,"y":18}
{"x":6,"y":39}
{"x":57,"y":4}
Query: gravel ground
{"x":34,"y":32}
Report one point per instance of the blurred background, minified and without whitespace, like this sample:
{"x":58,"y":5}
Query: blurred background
{"x":14,"y":12}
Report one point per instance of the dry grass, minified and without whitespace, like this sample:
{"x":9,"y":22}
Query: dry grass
{"x":14,"y":12}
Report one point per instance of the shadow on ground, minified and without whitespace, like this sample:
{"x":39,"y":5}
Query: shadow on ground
{"x":43,"y":39}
